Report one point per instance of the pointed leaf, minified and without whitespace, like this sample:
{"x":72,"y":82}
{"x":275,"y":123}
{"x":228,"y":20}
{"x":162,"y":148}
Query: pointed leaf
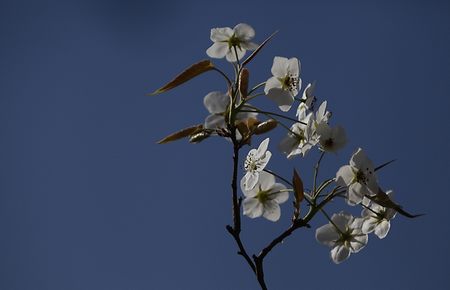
{"x":383,"y":199}
{"x":384,"y":164}
{"x":189,"y":73}
{"x":258,"y":49}
{"x":299,"y":192}
{"x":181,"y":134}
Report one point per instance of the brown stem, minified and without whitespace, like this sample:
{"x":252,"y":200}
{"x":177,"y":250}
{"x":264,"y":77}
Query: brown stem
{"x":259,"y":259}
{"x":260,"y":272}
{"x":295,"y":225}
{"x":236,"y":211}
{"x":235,"y":230}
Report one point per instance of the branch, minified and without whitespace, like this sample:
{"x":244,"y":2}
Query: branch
{"x":316,"y":173}
{"x":259,"y":259}
{"x":235,"y":230}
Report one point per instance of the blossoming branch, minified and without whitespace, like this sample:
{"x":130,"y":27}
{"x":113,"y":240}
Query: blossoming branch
{"x":234,"y":117}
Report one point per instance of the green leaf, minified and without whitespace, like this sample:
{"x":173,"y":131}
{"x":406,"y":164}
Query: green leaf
{"x":299,"y":193}
{"x":189,"y":73}
{"x":181,"y":134}
{"x":258,"y":49}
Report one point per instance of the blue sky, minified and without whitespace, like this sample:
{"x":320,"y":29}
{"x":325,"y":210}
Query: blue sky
{"x":89,"y":201}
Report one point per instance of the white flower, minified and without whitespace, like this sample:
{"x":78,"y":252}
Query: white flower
{"x":359,"y":177}
{"x":300,"y":139}
{"x":308,"y":99}
{"x":344,"y":236}
{"x":330,"y":139}
{"x":254,"y":164}
{"x":226,"y":40}
{"x":264,"y":198}
{"x":322,"y":115}
{"x":377,"y":219}
{"x":285,"y":83}
{"x":217,"y":104}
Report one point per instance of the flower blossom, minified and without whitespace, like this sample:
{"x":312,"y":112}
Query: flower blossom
{"x":322,"y":115}
{"x":285,"y":83}
{"x":331,"y":139}
{"x":300,"y":139}
{"x":308,"y":99}
{"x":217,"y":105}
{"x":376,"y":218}
{"x":303,"y":136}
{"x":343,"y":235}
{"x":254,"y":164}
{"x":229,"y":42}
{"x":264,"y":199}
{"x":359,"y":178}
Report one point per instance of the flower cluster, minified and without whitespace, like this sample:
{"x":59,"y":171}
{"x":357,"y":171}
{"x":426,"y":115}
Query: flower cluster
{"x":233,"y":115}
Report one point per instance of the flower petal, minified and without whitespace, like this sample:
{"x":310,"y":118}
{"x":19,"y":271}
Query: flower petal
{"x":282,"y":98}
{"x":366,"y":213}
{"x":293,"y":67}
{"x":309,"y":91}
{"x":345,"y":175}
{"x":327,"y":235}
{"x":355,"y":194}
{"x":266,"y":180}
{"x":371,"y":182}
{"x":301,"y":111}
{"x":244,"y":32}
{"x":221,"y":34}
{"x":277,"y":196}
{"x":382,"y":229}
{"x":249,"y":45}
{"x":262,"y":148}
{"x":214,"y":121}
{"x":252,"y":207}
{"x":245,"y":115}
{"x":358,"y":242}
{"x":264,"y":160}
{"x":361,"y":161}
{"x":231,"y":55}
{"x":248,"y":192}
{"x":272,"y":211}
{"x":217,"y":50}
{"x":369,"y":225}
{"x":340,"y":253}
{"x":342,"y":220}
{"x":322,"y":114}
{"x":216,"y":102}
{"x":251,"y":179}
{"x":272,"y":83}
{"x":288,"y":144}
{"x":279,"y":66}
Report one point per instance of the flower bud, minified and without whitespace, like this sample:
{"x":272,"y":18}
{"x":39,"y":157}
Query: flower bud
{"x":265,"y":126}
{"x":243,"y":82}
{"x":199,"y":137}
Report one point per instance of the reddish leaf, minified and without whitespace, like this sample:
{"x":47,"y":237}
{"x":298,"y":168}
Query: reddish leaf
{"x":189,"y":73}
{"x":299,"y":192}
{"x":181,"y":134}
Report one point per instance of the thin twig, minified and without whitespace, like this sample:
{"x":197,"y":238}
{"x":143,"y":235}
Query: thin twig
{"x":316,"y":173}
{"x":235,"y":230}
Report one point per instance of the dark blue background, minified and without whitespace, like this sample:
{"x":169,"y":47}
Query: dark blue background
{"x":89,"y":201}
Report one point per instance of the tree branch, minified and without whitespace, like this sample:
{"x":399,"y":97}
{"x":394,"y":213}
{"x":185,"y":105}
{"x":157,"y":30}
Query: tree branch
{"x":259,"y":259}
{"x":235,"y":230}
